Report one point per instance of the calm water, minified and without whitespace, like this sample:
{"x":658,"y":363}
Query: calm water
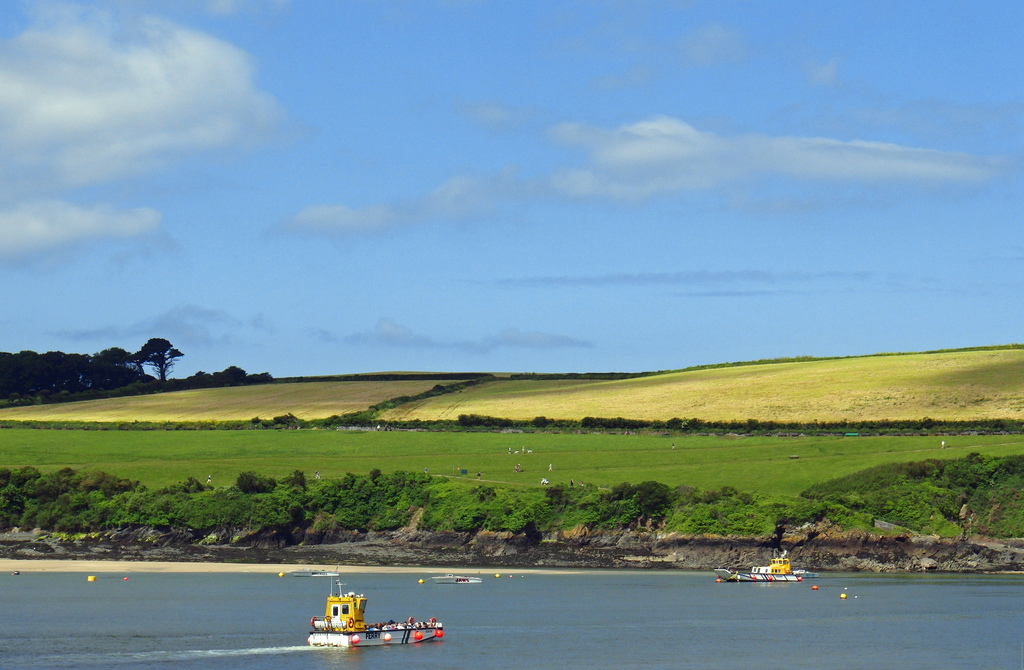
{"x":594,"y":620}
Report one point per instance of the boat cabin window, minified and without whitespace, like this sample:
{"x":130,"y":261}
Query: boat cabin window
{"x":344,"y":609}
{"x":334,"y":610}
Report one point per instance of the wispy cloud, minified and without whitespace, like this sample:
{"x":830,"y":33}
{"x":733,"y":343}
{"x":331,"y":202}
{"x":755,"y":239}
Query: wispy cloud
{"x":458,"y":199}
{"x":391,"y":334}
{"x":189,"y":324}
{"x":822,"y":74}
{"x":497,"y":116}
{"x":667,"y":157}
{"x":513,"y":338}
{"x":228,"y":7}
{"x":705,"y":278}
{"x":388,"y":333}
{"x":714,"y":44}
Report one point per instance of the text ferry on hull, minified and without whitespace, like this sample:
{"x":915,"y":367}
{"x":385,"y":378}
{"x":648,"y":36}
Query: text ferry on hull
{"x":344,"y":625}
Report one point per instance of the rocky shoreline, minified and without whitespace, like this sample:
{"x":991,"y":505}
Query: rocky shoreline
{"x":819,"y":548}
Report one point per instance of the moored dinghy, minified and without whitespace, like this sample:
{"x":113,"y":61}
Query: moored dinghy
{"x":455,"y":579}
{"x":344,"y":625}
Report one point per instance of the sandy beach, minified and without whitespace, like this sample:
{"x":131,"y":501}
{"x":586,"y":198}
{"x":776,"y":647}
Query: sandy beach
{"x":10,"y":566}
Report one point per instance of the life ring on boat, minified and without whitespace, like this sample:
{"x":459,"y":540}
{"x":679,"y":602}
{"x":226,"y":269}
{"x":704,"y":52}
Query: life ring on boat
{"x":351,"y":622}
{"x":312,"y":622}
{"x":433,"y":620}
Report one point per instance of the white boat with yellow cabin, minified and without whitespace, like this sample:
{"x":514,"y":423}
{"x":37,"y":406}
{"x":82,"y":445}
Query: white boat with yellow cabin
{"x":344,"y":625}
{"x":779,"y":569}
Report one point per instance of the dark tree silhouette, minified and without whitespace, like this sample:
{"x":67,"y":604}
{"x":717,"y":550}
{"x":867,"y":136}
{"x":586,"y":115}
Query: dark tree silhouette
{"x":159,"y":355}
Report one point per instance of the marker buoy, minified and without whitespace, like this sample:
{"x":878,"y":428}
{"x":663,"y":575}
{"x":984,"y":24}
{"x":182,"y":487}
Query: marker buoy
{"x":421,"y":581}
{"x":125,"y":579}
{"x":814,"y":588}
{"x":90,"y":578}
{"x":280,"y":574}
{"x":842,"y":596}
{"x":718,"y":580}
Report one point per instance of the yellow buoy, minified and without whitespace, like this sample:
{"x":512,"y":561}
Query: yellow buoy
{"x":842,"y":596}
{"x":90,"y":578}
{"x":280,"y":574}
{"x":421,"y":581}
{"x":497,"y":575}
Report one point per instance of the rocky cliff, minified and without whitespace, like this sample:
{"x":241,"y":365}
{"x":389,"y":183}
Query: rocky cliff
{"x":821,"y":547}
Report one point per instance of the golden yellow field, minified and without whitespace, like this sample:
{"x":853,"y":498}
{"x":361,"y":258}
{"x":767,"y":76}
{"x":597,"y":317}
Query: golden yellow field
{"x":957,"y":385}
{"x":953,"y":385}
{"x":309,"y":400}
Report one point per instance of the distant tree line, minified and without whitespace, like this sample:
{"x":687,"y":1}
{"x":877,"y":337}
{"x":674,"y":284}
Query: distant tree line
{"x":28,"y":377}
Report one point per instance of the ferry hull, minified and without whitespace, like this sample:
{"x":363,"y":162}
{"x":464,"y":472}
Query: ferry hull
{"x":374,"y":638}
{"x":729,"y":576}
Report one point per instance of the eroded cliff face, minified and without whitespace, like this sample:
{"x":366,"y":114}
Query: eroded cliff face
{"x":821,"y":547}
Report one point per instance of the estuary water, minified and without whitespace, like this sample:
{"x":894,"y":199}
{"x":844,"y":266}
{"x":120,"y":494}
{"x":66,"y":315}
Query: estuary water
{"x":594,"y":620}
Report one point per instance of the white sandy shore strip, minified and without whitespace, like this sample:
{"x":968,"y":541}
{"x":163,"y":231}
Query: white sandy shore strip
{"x":8,"y":565}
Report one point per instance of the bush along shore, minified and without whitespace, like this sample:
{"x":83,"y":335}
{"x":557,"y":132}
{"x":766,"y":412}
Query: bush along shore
{"x":953,"y":516}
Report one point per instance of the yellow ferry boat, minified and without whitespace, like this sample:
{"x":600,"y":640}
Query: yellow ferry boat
{"x":344,"y":625}
{"x":778,"y":569}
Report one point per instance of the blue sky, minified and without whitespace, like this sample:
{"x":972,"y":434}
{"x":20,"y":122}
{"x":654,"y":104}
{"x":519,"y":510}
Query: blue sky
{"x":338,"y":186}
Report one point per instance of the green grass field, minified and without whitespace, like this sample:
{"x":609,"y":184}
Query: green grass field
{"x":761,"y":464}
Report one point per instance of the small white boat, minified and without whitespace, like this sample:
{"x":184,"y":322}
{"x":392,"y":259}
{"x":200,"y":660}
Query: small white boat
{"x":344,"y":625}
{"x":779,"y":569}
{"x":314,"y":573}
{"x":455,"y":579}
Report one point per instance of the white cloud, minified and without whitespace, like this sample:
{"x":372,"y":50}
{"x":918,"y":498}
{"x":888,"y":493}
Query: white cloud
{"x":83,"y":102}
{"x":45,"y":225}
{"x":665,"y":155}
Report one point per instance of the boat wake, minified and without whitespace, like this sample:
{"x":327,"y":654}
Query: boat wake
{"x":157,"y":656}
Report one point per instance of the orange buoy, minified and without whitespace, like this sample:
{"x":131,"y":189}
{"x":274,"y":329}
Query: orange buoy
{"x":814,"y":588}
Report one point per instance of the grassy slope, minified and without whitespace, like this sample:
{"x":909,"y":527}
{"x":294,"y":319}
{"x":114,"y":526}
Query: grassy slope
{"x":307,"y":401}
{"x":761,"y":464}
{"x":950,"y":385}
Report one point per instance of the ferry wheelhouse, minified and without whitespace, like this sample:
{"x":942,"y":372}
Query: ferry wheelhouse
{"x":344,"y":625}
